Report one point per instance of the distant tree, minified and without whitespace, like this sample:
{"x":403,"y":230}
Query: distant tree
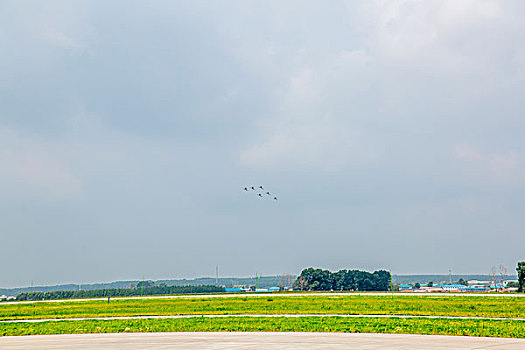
{"x":513,"y":284}
{"x":463,"y":282}
{"x":521,"y":276}
{"x":367,"y":285}
{"x":502,"y":273}
{"x":95,"y":293}
{"x":145,"y":284}
{"x":339,"y":280}
{"x":382,"y":280}
{"x":289,"y":279}
{"x":301,"y":283}
{"x":318,"y":279}
{"x":430,"y":284}
{"x":417,"y":285}
{"x":493,"y":272}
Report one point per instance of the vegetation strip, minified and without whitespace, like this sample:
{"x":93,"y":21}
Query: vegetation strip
{"x":285,"y":294}
{"x":258,"y":316}
{"x":470,"y":327}
{"x":274,"y":304}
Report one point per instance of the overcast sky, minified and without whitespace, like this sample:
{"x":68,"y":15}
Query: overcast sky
{"x":391,"y":131}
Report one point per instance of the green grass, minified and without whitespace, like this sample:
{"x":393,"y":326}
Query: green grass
{"x":491,"y":328}
{"x":509,"y":307}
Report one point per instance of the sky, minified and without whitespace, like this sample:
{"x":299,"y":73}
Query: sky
{"x":391,"y":132}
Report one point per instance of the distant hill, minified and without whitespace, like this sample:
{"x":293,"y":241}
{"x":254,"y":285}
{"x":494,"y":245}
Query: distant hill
{"x":111,"y":285}
{"x":264,"y":282}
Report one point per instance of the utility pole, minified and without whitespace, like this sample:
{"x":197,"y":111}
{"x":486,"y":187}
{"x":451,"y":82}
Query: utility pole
{"x":142,"y":288}
{"x":450,"y":276}
{"x":217,"y":275}
{"x":34,"y":304}
{"x":391,"y":286}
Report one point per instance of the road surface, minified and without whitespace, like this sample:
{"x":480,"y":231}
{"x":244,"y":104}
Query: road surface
{"x":251,"y":341}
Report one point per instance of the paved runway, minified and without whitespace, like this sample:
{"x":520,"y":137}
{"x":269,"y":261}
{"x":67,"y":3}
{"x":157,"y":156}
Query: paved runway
{"x":249,"y":341}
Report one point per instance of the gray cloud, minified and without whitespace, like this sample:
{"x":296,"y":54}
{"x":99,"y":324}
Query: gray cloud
{"x":391,"y":131}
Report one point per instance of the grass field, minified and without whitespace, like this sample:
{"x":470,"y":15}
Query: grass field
{"x":508,"y":307}
{"x":506,"y":329}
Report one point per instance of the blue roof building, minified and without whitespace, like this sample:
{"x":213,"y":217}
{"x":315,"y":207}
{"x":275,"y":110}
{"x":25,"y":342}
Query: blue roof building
{"x":474,"y":289}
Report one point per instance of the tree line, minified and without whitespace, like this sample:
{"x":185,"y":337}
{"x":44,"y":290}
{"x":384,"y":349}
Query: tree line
{"x":350,"y":280}
{"x":148,"y":289}
{"x":521,"y":276}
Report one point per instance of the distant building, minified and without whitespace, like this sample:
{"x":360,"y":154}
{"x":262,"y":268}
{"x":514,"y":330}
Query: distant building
{"x":474,"y":289}
{"x":432,"y":289}
{"x":497,"y":287}
{"x":478,"y":283}
{"x":404,"y":287}
{"x":450,"y":287}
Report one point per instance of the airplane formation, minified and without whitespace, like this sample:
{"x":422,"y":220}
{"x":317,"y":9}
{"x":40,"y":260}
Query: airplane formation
{"x":260,"y":191}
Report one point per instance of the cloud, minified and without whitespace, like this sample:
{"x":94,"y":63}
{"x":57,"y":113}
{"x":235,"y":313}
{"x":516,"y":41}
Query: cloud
{"x":495,"y":165}
{"x":503,"y":163}
{"x":305,"y":133}
{"x":150,"y":120}
{"x":421,"y":68}
{"x":468,"y":153}
{"x":32,"y":166}
{"x":61,"y":39}
{"x":87,"y":154}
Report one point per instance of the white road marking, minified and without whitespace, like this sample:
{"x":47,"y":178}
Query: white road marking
{"x":261,"y":316}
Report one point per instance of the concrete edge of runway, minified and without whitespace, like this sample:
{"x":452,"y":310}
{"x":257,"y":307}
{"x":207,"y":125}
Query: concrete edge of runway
{"x":256,"y":340}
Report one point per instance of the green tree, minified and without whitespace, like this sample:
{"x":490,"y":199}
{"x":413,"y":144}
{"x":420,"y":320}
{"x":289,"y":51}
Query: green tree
{"x":381,"y":280}
{"x":338,"y":280}
{"x":155,"y":290}
{"x":145,"y":284}
{"x":521,"y":276}
{"x":417,"y":285}
{"x":430,"y":284}
{"x":318,"y":279}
